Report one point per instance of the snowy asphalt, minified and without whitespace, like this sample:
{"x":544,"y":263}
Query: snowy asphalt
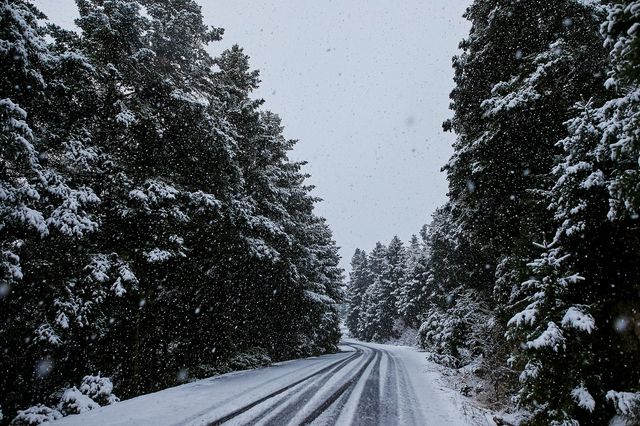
{"x":364,"y":384}
{"x":362,"y":388}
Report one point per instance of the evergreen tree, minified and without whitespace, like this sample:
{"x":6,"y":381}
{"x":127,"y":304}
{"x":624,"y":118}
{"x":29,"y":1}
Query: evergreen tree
{"x":282,"y":210}
{"x":457,"y":322}
{"x":555,"y":352}
{"x":396,"y":259}
{"x":145,"y":194}
{"x":358,"y":284}
{"x":595,"y":212}
{"x":45,"y":215}
{"x":523,"y":67}
{"x":411,"y":292}
{"x":151,"y":219}
{"x":372,"y":324}
{"x":378,"y":312}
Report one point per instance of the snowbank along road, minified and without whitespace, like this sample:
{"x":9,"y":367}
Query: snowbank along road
{"x":364,"y":384}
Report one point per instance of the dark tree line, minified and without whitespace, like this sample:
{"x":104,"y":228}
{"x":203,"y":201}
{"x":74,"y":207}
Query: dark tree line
{"x":152,"y":226}
{"x":386,"y":289}
{"x":533,"y":265}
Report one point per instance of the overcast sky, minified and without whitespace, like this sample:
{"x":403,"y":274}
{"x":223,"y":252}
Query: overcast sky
{"x":363,"y":84}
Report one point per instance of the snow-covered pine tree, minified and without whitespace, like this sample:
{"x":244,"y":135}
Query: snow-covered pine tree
{"x":318,"y":279}
{"x":620,"y":116}
{"x":547,"y":85}
{"x":263,"y":220}
{"x":306,"y":271}
{"x":378,"y":311}
{"x":523,"y":66}
{"x":207,"y":235}
{"x":619,"y":120}
{"x":457,"y":321}
{"x":291,"y":252}
{"x":37,"y":201}
{"x":358,"y":284}
{"x":396,"y":259}
{"x":384,"y":288}
{"x":141,"y":201}
{"x":368,"y":324}
{"x":322,"y":279}
{"x":45,"y":209}
{"x":595,"y":207}
{"x":411,"y":294}
{"x":554,"y":353}
{"x":557,"y":302}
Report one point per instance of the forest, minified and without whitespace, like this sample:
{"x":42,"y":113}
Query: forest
{"x":153,"y":229}
{"x":529,"y":273}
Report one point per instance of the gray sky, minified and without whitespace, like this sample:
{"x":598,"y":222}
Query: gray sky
{"x":364,"y":85}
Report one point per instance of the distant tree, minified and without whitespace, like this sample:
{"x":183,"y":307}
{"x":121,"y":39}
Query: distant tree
{"x":358,"y":284}
{"x":378,"y":310}
{"x":411,"y":295}
{"x":374,"y":323}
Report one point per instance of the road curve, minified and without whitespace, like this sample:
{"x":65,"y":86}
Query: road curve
{"x":364,"y":384}
{"x":363,"y":388}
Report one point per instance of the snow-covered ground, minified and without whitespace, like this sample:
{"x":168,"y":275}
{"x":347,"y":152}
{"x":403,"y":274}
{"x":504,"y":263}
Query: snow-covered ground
{"x":364,"y":384}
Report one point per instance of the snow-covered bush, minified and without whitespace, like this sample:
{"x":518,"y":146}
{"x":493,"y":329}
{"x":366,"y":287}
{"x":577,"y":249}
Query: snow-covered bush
{"x":75,"y":402}
{"x":455,"y":335}
{"x":36,"y":415}
{"x":99,"y":389}
{"x":253,"y":358}
{"x":250,"y":359}
{"x":94,"y":392}
{"x":436,"y":335}
{"x":627,"y":405}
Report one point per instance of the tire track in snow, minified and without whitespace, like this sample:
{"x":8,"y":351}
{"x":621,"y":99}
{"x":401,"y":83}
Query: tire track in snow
{"x":369,"y":401}
{"x":368,"y":407}
{"x":287,"y":407}
{"x":194,"y":418}
{"x":375,"y":390}
{"x":279,"y":391}
{"x":389,"y":392}
{"x":345,"y":411}
{"x":374,"y":399}
{"x":347,"y":386}
{"x":407,"y":397}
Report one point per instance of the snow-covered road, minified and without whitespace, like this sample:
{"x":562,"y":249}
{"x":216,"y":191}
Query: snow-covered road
{"x":365,"y":384}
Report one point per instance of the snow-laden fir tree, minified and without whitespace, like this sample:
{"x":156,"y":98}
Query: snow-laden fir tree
{"x":141,"y":124}
{"x":36,"y":200}
{"x":46,"y":209}
{"x":554,"y":355}
{"x":619,"y":121}
{"x":397,"y":260}
{"x":594,"y":201}
{"x":410,"y":294}
{"x":456,"y":322}
{"x":376,"y":322}
{"x":197,"y":240}
{"x":358,"y":284}
{"x":522,"y":67}
{"x":287,"y":241}
{"x":374,"y":285}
